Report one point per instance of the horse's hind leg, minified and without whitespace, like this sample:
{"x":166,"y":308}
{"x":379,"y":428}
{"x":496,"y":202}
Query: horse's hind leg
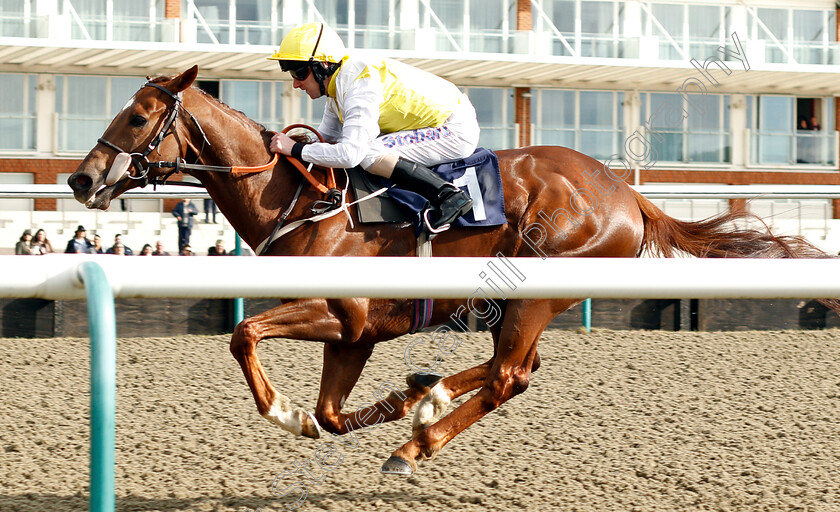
{"x":508,"y":376}
{"x":433,"y":405}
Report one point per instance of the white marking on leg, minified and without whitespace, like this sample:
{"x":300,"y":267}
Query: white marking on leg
{"x":297,"y":421}
{"x":281,"y":413}
{"x":431,"y":408}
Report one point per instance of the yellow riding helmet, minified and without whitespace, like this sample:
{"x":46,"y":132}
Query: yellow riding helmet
{"x":313,"y":41}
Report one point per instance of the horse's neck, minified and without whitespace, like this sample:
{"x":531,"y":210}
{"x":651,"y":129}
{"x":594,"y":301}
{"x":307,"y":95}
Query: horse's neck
{"x":251,"y":203}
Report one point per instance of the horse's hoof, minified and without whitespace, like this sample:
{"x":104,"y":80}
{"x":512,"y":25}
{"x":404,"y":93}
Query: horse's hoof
{"x":310,"y":427}
{"x":396,"y":466}
{"x":423,"y":380}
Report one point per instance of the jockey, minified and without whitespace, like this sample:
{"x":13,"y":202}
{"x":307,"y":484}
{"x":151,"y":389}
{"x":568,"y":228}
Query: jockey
{"x":390,"y":118}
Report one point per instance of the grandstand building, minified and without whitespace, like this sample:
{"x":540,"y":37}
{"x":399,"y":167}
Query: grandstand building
{"x":717,"y":91}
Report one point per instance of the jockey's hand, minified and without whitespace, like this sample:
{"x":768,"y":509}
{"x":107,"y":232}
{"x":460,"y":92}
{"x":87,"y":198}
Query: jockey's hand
{"x":281,"y":143}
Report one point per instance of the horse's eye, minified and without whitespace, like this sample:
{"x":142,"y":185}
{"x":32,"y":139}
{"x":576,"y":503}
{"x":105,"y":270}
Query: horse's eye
{"x":138,"y":121}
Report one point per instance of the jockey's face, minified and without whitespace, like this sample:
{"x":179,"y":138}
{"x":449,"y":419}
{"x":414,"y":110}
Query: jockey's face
{"x":309,"y":85}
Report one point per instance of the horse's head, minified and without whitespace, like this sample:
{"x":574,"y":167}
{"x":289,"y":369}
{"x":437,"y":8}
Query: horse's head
{"x":136,"y":136}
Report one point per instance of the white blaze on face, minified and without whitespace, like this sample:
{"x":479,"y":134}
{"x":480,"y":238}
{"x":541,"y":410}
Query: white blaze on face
{"x":127,"y":103}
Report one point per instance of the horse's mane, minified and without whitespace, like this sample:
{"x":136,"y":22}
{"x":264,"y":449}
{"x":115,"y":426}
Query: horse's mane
{"x":222,"y":105}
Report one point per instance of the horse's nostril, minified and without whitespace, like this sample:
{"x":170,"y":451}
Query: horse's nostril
{"x":80,"y":182}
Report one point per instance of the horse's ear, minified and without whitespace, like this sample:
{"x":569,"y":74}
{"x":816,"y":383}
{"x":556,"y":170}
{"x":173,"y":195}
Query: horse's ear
{"x":184,"y":80}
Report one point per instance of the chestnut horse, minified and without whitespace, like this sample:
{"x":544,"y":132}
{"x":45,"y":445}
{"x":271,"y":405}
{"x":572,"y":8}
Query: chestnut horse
{"x":547,"y":211}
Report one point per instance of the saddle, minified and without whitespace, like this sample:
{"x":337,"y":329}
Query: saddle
{"x":478,"y":175}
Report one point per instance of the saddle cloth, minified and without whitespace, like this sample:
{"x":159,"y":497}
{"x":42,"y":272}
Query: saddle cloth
{"x":477,"y":175}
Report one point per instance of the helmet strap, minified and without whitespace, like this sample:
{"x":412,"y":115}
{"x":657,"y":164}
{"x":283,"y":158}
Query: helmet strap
{"x":322,"y":71}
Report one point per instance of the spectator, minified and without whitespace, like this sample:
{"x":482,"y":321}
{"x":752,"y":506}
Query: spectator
{"x":79,"y":244}
{"x":118,"y":240}
{"x":119,"y":249}
{"x":209,"y":207}
{"x":218,"y":249}
{"x":40,"y":243}
{"x":815,"y":124}
{"x":97,"y":245}
{"x":187,"y":251}
{"x":24,"y":245}
{"x":147,"y":250}
{"x":159,"y":249}
{"x":184,"y":212}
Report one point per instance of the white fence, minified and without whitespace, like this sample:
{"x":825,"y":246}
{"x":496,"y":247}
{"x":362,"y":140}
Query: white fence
{"x":57,"y":277}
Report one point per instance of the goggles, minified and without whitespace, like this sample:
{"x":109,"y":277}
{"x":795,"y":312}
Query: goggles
{"x":298,"y":70}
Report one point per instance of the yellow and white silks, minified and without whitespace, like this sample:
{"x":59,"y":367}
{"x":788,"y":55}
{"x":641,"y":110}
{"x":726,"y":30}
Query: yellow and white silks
{"x":382,"y":106}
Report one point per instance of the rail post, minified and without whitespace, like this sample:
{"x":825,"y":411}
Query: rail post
{"x":103,"y":384}
{"x":238,"y":302}
{"x":587,"y":315}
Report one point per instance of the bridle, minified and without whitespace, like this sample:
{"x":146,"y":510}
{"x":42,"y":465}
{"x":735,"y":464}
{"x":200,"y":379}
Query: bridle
{"x":143,"y":165}
{"x":140,"y":160}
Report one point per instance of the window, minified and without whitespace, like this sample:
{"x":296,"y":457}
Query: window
{"x":215,"y":16}
{"x":707,"y":29}
{"x":695,"y":129}
{"x":562,"y":15}
{"x":812,"y":33}
{"x":261,"y":101}
{"x":17,"y":112}
{"x":469,"y":25}
{"x":671,"y":18}
{"x":776,"y":21}
{"x":599,"y":29}
{"x":792,"y":130}
{"x":804,"y":34}
{"x":494,"y":108}
{"x":15,"y":18}
{"x":587,"y":121}
{"x":82,"y":114}
{"x":451,"y":15}
{"x":491,"y":28}
{"x":112,"y":20}
{"x":360,"y":23}
{"x":372,"y":24}
{"x":253,"y":22}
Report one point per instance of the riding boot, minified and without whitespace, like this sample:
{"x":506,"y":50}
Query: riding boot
{"x":449,"y":201}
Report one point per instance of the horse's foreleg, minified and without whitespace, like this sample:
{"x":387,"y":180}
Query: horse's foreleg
{"x":342,"y":366}
{"x":310,"y":319}
{"x":508,"y":376}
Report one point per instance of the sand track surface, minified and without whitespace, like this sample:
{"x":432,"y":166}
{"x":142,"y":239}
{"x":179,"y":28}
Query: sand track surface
{"x":612,"y":421}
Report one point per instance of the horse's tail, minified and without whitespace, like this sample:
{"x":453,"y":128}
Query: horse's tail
{"x":719,"y":237}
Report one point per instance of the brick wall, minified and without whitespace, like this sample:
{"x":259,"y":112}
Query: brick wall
{"x":523,"y":15}
{"x":173,"y":8}
{"x":522,"y":100}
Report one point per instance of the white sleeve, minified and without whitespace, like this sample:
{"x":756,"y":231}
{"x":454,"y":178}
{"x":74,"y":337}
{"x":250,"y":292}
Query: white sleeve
{"x":360,"y":104}
{"x":330,"y":128}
